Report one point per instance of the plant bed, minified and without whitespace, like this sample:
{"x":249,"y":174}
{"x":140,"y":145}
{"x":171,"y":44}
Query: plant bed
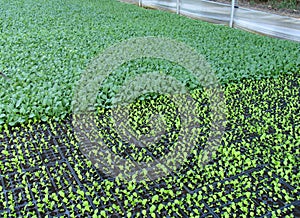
{"x":255,"y":169}
{"x":73,"y":185}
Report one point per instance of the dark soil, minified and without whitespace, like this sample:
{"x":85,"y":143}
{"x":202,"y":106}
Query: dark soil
{"x":270,"y":7}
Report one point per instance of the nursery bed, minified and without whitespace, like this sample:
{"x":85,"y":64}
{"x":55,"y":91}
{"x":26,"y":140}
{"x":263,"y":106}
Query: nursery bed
{"x":45,"y":46}
{"x":254,"y":173}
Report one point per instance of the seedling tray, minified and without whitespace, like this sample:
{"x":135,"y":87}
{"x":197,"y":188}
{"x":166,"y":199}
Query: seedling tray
{"x":255,"y":171}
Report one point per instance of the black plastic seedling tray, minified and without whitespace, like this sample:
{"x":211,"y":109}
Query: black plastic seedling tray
{"x":44,"y":172}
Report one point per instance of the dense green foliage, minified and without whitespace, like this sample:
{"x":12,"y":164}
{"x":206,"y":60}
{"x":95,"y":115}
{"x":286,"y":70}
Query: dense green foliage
{"x":44,"y":48}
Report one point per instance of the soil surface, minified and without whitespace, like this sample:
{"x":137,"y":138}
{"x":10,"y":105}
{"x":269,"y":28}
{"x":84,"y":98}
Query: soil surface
{"x":265,"y":6}
{"x":261,"y":6}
